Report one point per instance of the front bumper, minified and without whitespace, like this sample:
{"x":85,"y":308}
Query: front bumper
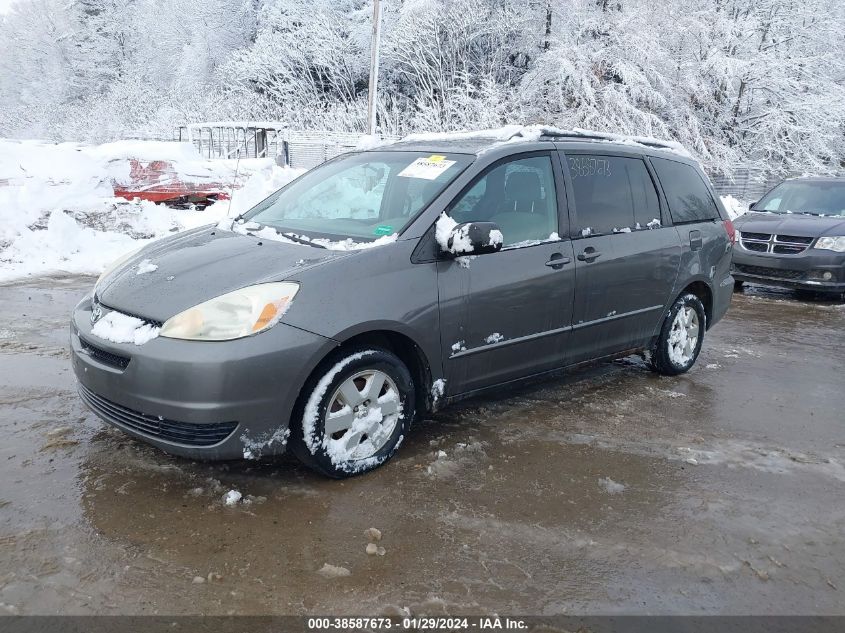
{"x":203,"y":400}
{"x":814,"y":269}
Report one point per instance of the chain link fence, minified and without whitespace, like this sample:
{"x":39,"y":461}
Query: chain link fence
{"x":292,"y":148}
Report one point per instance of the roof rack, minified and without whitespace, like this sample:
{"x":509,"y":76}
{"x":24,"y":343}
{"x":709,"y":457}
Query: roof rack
{"x":589,"y":135}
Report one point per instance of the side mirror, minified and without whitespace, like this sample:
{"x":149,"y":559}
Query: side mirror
{"x":474,"y":238}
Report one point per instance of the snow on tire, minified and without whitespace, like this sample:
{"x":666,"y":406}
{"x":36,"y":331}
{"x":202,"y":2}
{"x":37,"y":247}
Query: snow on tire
{"x":679,"y":343}
{"x":359,"y":407}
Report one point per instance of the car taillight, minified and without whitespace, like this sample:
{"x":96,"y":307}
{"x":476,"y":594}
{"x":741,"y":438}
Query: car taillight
{"x":730,"y":230}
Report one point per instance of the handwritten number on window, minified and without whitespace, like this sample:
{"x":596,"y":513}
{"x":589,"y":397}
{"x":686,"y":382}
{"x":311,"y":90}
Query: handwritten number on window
{"x":585,"y":166}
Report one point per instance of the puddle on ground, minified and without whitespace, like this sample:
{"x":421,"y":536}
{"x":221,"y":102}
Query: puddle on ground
{"x":610,"y":490}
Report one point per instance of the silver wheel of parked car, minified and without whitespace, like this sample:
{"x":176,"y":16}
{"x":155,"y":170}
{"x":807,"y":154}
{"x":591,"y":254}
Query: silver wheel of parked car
{"x":362,"y":413}
{"x":355,"y":409}
{"x":683,"y":337}
{"x":676,"y":348}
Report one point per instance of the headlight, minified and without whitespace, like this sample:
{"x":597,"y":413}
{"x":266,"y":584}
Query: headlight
{"x":234,"y":315}
{"x":836,"y":244}
{"x":120,"y":261}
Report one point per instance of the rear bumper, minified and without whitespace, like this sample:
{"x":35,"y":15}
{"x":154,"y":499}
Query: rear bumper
{"x":203,"y":400}
{"x":814,"y":269}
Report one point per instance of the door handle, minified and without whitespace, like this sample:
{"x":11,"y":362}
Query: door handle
{"x":695,"y":240}
{"x":557,"y":261}
{"x":588,"y":254}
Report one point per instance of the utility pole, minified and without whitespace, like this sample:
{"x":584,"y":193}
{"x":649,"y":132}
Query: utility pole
{"x":374,"y":60}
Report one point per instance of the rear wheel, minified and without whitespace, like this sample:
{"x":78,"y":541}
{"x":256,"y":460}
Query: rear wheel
{"x":355,"y":412}
{"x":679,"y":342}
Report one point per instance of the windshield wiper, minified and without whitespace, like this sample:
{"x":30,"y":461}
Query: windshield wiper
{"x":294,"y":237}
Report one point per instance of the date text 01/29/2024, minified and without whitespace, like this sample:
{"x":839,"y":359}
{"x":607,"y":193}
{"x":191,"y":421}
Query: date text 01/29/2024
{"x":481,"y":623}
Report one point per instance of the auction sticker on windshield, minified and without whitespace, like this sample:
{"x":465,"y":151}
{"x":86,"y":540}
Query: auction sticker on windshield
{"x":427,"y":168}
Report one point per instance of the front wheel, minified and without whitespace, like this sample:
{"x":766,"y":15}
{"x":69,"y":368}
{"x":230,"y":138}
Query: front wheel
{"x":359,"y":407}
{"x":680,"y":338}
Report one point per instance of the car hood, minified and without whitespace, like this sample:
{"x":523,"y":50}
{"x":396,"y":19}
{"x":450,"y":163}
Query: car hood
{"x":790,"y":224}
{"x":198,"y":265}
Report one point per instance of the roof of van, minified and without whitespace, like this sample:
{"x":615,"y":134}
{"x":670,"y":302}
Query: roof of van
{"x":480,"y":141}
{"x":817,"y":179}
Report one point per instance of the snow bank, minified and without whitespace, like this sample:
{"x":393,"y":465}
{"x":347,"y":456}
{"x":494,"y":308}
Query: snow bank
{"x":58,"y":212}
{"x":734,"y":207}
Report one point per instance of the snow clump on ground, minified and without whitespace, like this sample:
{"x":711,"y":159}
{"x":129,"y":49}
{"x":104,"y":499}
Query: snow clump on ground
{"x":232,"y":498}
{"x":610,"y":486}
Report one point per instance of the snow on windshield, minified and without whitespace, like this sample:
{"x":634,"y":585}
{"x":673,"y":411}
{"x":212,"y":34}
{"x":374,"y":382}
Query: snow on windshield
{"x":269,"y":233}
{"x":359,"y":197}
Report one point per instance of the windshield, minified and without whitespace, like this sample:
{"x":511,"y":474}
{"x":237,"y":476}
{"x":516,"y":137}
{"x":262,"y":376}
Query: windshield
{"x":817,"y":198}
{"x":362,"y":196}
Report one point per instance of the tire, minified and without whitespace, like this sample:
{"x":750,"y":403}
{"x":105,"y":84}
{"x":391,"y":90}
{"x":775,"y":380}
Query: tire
{"x":342,"y":393}
{"x":679,"y":343}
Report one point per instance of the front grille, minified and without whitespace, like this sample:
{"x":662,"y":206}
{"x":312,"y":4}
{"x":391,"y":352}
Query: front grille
{"x":756,"y":246}
{"x":148,"y":321}
{"x":756,"y":236}
{"x":794,"y":239}
{"x":107,"y":358}
{"x":788,"y":249}
{"x":775,"y":273}
{"x":185,"y":433}
{"x":779,"y":244}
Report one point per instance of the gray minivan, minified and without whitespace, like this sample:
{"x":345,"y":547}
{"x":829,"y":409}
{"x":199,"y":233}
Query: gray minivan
{"x":386,"y":283}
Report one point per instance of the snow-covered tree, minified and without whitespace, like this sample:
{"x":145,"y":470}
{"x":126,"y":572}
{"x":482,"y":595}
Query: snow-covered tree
{"x":740,"y":82}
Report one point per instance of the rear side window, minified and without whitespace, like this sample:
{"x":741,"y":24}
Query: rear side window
{"x":688,"y":197}
{"x":612,"y":194}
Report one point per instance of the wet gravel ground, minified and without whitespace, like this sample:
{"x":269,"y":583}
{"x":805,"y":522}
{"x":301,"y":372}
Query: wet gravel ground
{"x":612,"y":490}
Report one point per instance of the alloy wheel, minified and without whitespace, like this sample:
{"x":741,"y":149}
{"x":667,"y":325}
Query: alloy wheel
{"x":362,"y":414}
{"x":683,"y":338}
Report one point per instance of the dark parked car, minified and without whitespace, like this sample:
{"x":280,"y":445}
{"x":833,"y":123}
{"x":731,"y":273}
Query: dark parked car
{"x":386,"y":283}
{"x":794,"y":237}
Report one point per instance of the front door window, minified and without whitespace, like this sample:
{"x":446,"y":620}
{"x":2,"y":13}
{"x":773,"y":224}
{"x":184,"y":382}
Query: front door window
{"x":519,"y":196}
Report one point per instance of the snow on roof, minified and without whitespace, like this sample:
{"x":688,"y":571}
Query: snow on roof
{"x":526,"y":133}
{"x":269,"y":125}
{"x":504,"y":133}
